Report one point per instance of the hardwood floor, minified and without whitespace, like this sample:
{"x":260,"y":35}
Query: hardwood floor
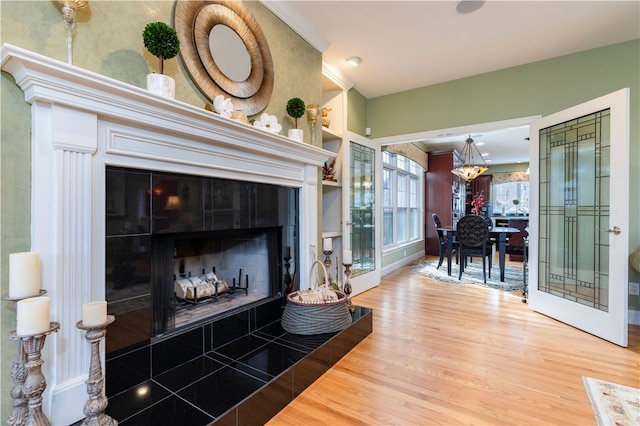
{"x":443,"y":354}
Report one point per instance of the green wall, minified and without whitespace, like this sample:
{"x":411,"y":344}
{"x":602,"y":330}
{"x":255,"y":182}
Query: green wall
{"x":108,"y":41}
{"x":539,"y":88}
{"x":356,"y":112}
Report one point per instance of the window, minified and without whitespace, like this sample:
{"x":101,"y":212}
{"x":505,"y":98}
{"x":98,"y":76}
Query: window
{"x":503,"y":195}
{"x":402,"y":182}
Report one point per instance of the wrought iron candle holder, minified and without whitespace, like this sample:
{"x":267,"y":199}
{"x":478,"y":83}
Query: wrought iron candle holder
{"x":288,"y":281}
{"x":34,"y":382}
{"x":327,"y":264}
{"x":347,"y":286}
{"x":97,"y":403}
{"x":18,"y":375}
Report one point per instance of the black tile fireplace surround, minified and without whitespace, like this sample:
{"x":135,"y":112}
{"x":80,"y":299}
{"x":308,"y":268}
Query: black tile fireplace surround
{"x":242,"y":369}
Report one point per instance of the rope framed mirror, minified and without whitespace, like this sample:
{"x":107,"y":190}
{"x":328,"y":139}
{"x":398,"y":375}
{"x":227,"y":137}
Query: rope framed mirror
{"x":246,"y":74}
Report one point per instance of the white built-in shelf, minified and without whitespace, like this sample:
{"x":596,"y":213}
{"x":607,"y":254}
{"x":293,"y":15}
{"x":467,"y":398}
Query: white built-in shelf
{"x":328,"y":134}
{"x":331,"y":183}
{"x":331,"y":234}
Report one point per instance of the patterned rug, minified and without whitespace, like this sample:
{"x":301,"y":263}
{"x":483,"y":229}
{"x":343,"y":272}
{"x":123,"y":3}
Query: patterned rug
{"x":613,"y":404}
{"x":472,"y":274}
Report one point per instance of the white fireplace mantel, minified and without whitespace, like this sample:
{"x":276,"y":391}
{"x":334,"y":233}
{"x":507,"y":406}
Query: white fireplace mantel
{"x":82,"y":122}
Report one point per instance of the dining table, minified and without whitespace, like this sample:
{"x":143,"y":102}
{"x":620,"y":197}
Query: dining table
{"x":500,"y":232}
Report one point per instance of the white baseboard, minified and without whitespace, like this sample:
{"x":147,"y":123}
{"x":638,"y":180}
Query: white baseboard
{"x":634,"y":317}
{"x":66,"y":401}
{"x":400,"y":263}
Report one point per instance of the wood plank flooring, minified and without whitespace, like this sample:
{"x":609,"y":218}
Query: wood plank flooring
{"x":443,"y":354}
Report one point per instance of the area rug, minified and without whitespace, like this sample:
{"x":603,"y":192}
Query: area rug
{"x":472,"y":274}
{"x":613,"y":404}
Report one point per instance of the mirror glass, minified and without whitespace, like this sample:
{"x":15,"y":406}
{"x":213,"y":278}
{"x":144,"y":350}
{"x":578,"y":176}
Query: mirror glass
{"x":230,"y":53}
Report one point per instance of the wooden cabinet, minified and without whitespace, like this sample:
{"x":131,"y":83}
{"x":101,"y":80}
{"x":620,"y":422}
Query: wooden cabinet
{"x":444,"y":195}
{"x":481,"y":184}
{"x":515,"y":247}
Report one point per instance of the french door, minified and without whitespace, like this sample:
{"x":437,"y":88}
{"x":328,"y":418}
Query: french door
{"x":578,"y":257}
{"x":361,"y":220}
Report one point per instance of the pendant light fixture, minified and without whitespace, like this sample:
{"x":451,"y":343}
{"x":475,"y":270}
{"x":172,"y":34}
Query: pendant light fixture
{"x":469,"y":170}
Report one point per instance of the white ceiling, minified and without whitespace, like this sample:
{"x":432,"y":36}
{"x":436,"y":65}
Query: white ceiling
{"x":410,"y":44}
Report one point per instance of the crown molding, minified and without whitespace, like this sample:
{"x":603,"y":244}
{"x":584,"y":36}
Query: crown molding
{"x":296,"y":22}
{"x":335,"y":74}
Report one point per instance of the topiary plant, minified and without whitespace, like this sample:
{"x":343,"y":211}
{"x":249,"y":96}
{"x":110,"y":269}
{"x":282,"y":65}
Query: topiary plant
{"x":161,"y":40}
{"x":295,"y":108}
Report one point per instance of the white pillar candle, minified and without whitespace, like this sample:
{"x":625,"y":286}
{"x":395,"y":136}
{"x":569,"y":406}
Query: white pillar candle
{"x":33,"y":316}
{"x":94,"y":313}
{"x":346,"y":257}
{"x":24,"y":275}
{"x":327,"y":244}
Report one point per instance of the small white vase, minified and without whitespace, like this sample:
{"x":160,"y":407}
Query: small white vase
{"x":162,"y":85}
{"x":295,"y":134}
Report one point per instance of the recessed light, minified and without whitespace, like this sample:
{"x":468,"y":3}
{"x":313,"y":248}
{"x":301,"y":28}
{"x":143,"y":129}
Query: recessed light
{"x":469,"y":6}
{"x":354,"y":61}
{"x":486,"y":154}
{"x":479,"y":143}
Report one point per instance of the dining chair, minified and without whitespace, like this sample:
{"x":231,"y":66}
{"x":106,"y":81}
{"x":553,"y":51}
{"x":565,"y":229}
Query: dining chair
{"x":487,"y":219}
{"x":491,"y":241}
{"x":473,"y":235}
{"x":443,"y":241}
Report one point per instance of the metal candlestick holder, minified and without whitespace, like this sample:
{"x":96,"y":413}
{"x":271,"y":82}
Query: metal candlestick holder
{"x":347,"y":286}
{"x":34,"y":383}
{"x":97,"y":403}
{"x":288,"y":281}
{"x":327,"y":263}
{"x":18,"y":375}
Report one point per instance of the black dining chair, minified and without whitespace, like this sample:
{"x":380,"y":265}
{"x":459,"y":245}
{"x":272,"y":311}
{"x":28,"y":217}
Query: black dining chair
{"x":487,"y":219}
{"x":443,"y":241}
{"x":473,"y":237}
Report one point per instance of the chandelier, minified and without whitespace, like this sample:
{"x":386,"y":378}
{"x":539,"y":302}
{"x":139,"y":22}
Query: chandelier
{"x":469,"y":170}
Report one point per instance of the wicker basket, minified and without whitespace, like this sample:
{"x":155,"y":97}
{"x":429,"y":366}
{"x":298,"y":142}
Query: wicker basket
{"x":315,"y":317}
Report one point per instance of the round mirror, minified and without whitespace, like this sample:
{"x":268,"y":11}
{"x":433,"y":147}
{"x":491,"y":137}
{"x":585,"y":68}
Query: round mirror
{"x":226,"y":52}
{"x":229,"y":53}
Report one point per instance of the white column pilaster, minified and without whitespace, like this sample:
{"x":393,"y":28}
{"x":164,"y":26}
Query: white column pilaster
{"x":63,"y":143}
{"x":308,"y":224}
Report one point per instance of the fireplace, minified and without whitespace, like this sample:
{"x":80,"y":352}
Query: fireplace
{"x":181,"y":249}
{"x":82,"y":123}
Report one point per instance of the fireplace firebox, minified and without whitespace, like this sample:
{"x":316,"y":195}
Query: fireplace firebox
{"x":171,"y":235}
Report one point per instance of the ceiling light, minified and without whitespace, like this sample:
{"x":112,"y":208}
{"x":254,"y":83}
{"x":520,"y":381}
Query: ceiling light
{"x":354,"y":61}
{"x":469,"y":170}
{"x":468,"y":6}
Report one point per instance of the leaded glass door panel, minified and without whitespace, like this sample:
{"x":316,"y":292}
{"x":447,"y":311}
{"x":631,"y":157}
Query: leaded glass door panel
{"x":579,"y":269}
{"x":362,"y":214}
{"x":363,"y":159}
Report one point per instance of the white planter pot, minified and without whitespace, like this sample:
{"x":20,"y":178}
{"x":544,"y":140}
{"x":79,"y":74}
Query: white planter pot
{"x":295,"y":134}
{"x":162,"y":85}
